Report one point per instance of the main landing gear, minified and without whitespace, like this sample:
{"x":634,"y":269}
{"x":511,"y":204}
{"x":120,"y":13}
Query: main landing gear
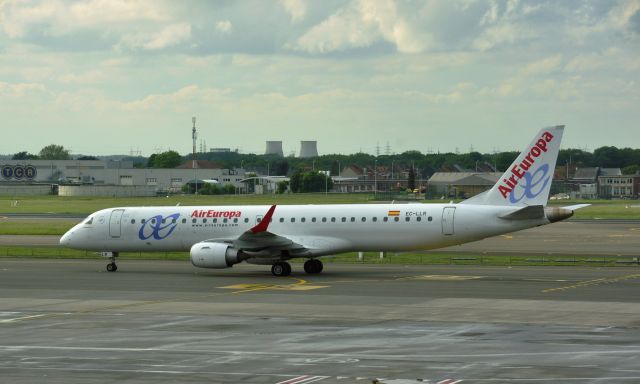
{"x":313,"y":266}
{"x":111,"y":267}
{"x":282,"y":268}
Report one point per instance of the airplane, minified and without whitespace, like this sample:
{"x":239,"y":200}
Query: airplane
{"x":221,"y":236}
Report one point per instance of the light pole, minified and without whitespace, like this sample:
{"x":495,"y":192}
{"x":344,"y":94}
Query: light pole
{"x":194,"y":136}
{"x":375,"y":177}
{"x":326,"y":182}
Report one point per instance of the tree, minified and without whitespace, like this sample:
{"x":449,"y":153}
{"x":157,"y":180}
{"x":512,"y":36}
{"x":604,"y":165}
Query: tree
{"x":335,"y":168}
{"x":24,"y":155}
{"x":411,"y":182}
{"x":54,"y":152}
{"x":169,"y":159}
{"x":630,"y":169}
{"x":312,"y":181}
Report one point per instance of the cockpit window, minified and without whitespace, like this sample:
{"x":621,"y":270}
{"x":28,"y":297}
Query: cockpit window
{"x":89,"y":220}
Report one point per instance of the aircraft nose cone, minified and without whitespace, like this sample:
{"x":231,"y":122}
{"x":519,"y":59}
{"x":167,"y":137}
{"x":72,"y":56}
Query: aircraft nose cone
{"x":65,"y":240}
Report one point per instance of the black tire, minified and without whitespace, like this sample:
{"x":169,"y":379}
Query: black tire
{"x":112,"y":267}
{"x":287,"y":269}
{"x":313,"y":266}
{"x":281,"y":269}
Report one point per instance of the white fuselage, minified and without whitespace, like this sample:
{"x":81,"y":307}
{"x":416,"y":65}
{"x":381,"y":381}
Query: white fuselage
{"x":322,"y":229}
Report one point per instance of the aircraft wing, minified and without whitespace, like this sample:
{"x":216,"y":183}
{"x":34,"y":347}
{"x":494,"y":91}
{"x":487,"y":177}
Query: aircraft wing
{"x":259,"y":239}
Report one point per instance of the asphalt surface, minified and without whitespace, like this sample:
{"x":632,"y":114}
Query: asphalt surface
{"x":70,"y":321}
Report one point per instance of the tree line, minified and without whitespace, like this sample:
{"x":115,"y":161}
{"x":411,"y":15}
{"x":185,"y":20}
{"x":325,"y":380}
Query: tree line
{"x":424,"y":165}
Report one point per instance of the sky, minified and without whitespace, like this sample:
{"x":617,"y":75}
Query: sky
{"x":117,"y":77}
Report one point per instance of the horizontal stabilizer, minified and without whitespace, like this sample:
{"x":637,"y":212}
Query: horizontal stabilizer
{"x":526,"y":213}
{"x":576,"y":206}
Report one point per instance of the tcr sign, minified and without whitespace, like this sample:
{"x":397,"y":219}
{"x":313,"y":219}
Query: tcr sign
{"x":18,"y":172}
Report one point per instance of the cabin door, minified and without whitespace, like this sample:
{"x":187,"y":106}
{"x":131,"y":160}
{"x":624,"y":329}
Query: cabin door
{"x":115,"y":223}
{"x":447,"y":220}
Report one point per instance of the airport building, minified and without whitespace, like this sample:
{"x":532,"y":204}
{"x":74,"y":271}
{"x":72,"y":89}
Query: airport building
{"x":120,"y":176}
{"x":461,"y":184}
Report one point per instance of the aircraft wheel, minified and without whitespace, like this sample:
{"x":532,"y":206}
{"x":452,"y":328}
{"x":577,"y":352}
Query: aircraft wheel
{"x":313,"y":266}
{"x":112,"y":267}
{"x":281,"y":268}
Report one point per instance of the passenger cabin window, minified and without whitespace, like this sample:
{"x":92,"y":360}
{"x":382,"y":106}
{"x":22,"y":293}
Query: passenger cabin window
{"x":133,"y":221}
{"x":225,"y":220}
{"x":418,"y":218}
{"x":324,"y":219}
{"x":430,"y":218}
{"x":303,"y":220}
{"x":194,"y":220}
{"x":344,"y":219}
{"x":313,"y":219}
{"x":374,"y":219}
{"x":235,"y":220}
{"x":353,"y":219}
{"x":364,"y":219}
{"x":204,"y":220}
{"x":333,"y":219}
{"x":246,"y":219}
{"x":385,"y":219}
{"x":282,"y":219}
{"x":396,"y":218}
{"x":184,"y":221}
{"x":293,"y":219}
{"x":407,"y":218}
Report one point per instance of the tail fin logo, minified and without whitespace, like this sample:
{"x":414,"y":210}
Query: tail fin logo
{"x":534,"y":184}
{"x":519,"y":171}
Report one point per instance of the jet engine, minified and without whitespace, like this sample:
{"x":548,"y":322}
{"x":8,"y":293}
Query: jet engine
{"x":214,"y":255}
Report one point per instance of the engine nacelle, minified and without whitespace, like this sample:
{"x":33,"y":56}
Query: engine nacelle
{"x":214,"y":255}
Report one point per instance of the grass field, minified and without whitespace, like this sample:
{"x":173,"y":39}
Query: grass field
{"x":601,"y":209}
{"x":431,"y":258}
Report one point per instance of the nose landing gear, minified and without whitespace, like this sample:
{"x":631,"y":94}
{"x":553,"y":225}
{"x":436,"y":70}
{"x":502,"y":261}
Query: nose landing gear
{"x":111,"y":267}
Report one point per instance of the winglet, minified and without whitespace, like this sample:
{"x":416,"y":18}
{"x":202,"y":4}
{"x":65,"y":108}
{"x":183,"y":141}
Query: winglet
{"x":264,"y":223}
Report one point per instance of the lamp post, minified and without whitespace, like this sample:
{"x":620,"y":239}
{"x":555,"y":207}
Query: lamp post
{"x":375,"y":177}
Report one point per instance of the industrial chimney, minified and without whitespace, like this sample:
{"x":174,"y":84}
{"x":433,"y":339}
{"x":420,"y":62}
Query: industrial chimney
{"x":274,"y":148}
{"x":308,"y":149}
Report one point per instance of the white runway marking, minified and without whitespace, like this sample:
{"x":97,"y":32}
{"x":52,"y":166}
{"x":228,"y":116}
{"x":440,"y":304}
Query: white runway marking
{"x":324,"y":356}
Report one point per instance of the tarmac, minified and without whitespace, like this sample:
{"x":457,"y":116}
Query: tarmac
{"x":70,"y":321}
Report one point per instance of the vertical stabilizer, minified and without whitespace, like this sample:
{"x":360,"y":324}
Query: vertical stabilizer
{"x":527,"y":181}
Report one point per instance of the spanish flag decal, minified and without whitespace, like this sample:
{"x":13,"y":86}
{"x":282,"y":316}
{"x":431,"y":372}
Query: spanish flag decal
{"x":394,"y":213}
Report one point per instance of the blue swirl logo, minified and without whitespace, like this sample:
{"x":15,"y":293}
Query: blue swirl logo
{"x":158,"y":227}
{"x":534,"y":184}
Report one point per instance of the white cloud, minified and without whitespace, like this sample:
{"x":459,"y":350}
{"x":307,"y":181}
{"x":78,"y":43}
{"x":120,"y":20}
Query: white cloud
{"x":297,"y":9}
{"x":361,"y":24}
{"x":167,"y":37}
{"x":60,"y":18}
{"x":223,"y":26}
{"x":620,"y":15}
{"x":88,"y":77}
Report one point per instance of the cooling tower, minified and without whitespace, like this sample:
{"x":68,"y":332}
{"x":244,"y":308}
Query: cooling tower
{"x":308,"y":149}
{"x":274,"y":148}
